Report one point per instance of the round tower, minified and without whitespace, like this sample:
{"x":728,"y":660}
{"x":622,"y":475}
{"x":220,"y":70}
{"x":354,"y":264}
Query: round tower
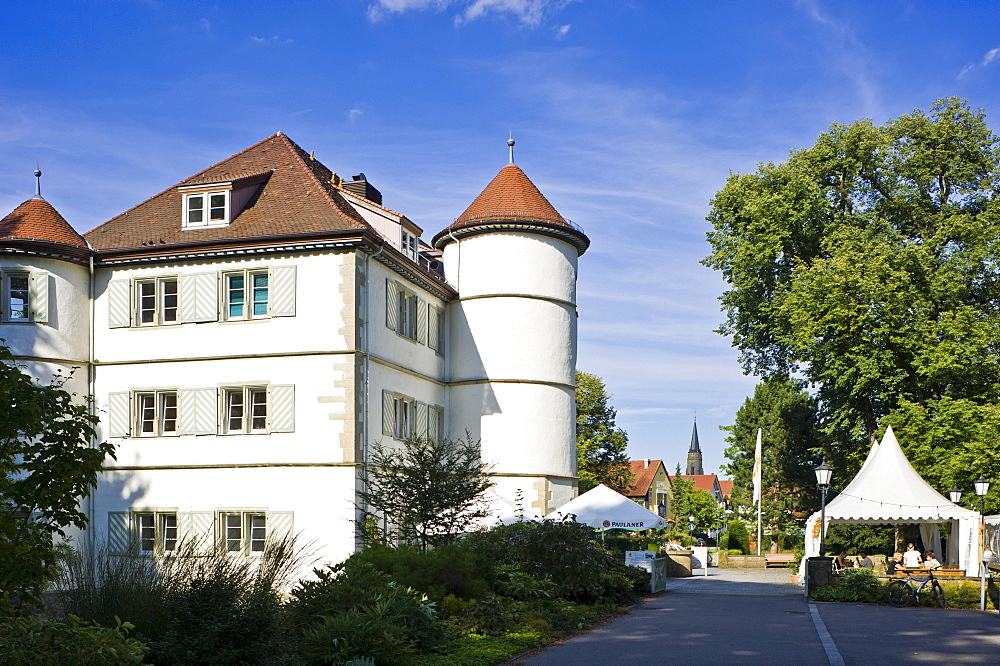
{"x":513,"y":259}
{"x":44,"y":300}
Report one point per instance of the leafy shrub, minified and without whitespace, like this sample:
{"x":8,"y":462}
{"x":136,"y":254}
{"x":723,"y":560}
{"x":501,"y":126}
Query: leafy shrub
{"x":25,"y":640}
{"x":567,"y":555}
{"x":352,"y":610}
{"x":456,"y":569}
{"x":857,"y":585}
{"x":739,"y":537}
{"x":475,"y":650}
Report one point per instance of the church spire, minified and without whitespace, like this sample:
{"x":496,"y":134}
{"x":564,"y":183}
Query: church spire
{"x":694,"y":462}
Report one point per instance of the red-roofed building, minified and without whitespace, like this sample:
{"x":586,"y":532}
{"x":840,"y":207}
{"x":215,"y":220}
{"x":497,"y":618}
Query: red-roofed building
{"x":650,"y":486}
{"x":251,"y":332}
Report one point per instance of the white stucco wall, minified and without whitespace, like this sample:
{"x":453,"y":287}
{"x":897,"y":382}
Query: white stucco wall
{"x":323,"y":316}
{"x":65,"y":335}
{"x":513,"y":339}
{"x":321,"y":498}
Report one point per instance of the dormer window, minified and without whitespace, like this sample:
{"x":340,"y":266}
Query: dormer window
{"x":206,"y":209}
{"x":408,"y":244}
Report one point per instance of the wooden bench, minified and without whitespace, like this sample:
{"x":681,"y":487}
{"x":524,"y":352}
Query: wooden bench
{"x":938,"y":573}
{"x":779,"y":559}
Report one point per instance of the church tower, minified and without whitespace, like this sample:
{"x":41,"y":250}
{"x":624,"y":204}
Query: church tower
{"x":694,"y":465}
{"x":513,"y":259}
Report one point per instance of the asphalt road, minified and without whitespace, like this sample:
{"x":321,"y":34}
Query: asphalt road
{"x":758,"y":617}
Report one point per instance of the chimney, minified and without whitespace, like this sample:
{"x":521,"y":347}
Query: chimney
{"x":647,"y":463}
{"x":359,"y":185}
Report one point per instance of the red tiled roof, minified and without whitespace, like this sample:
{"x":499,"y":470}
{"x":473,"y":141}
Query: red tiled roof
{"x":510,"y":195}
{"x":296,"y":197}
{"x":642,"y":476}
{"x":512,"y":200}
{"x":37,"y":220}
{"x":727,"y":488}
{"x":703,"y":481}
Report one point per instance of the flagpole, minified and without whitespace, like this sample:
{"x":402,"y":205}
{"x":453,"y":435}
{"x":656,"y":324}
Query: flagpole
{"x":757,"y":482}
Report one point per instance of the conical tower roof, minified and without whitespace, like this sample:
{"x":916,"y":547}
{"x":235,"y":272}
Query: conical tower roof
{"x":37,"y":220}
{"x":695,"y":444}
{"x":512,"y":202}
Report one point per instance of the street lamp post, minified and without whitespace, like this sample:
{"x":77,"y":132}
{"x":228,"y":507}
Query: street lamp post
{"x":823,"y":474}
{"x":982,"y":486}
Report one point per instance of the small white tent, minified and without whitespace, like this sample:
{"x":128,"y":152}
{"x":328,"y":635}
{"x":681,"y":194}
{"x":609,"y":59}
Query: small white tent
{"x":502,"y":512}
{"x":887,"y":490}
{"x":605,"y":509}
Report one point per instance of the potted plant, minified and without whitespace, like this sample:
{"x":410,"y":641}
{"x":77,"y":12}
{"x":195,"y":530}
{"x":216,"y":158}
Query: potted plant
{"x":793,"y":568}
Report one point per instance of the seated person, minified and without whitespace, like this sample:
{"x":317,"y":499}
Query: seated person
{"x":930,"y":562}
{"x":864,"y":561}
{"x":911,"y":558}
{"x":893,"y":564}
{"x":840,"y":562}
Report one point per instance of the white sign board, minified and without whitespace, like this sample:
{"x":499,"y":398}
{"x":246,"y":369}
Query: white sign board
{"x":640,"y":558}
{"x":699,"y":558}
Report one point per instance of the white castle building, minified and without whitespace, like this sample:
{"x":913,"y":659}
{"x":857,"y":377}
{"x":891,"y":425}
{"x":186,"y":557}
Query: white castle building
{"x":249,"y":333}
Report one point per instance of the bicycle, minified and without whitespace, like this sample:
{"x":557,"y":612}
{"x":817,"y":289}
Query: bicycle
{"x":901,"y":593}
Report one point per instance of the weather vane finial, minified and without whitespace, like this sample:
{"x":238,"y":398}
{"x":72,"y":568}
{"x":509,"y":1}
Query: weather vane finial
{"x":38,"y":182}
{"x":510,"y":144}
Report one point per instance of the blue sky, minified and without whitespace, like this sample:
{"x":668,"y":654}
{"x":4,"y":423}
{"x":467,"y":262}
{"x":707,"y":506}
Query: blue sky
{"x":628,"y":114}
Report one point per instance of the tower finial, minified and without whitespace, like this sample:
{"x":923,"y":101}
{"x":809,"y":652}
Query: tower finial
{"x":510,"y":144}
{"x":38,"y":182}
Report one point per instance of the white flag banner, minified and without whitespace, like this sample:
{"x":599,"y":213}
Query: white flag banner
{"x":757,"y":467}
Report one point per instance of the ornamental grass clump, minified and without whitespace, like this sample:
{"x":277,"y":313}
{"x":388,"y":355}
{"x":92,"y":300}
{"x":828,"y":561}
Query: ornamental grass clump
{"x":195,"y":605}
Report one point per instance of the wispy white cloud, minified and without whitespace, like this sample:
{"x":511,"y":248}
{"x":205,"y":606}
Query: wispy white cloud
{"x":989,"y":57}
{"x":205,"y":25}
{"x":562,"y":31}
{"x":354,"y":113}
{"x":528,"y":12}
{"x":849,"y":54}
{"x":273,"y":39}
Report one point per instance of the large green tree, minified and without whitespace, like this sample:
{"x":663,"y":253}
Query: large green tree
{"x":787,"y":416}
{"x":600,"y":444}
{"x":47,"y":465}
{"x":868,"y":263}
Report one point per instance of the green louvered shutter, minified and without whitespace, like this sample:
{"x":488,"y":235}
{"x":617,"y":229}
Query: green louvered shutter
{"x":420,"y":431}
{"x":197,"y":411}
{"x":432,"y":327}
{"x":422,"y":321}
{"x":39,"y":297}
{"x":391,"y":304}
{"x":281,"y":291}
{"x":196,"y":529}
{"x":280,"y":526}
{"x":388,"y":414}
{"x":119,"y":414}
{"x":119,"y":303}
{"x":198,"y":297}
{"x":119,"y":533}
{"x":281,"y":408}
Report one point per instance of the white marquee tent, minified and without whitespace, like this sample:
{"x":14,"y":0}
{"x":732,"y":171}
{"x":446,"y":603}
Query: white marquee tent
{"x":605,"y":509}
{"x":502,"y":512}
{"x":887,"y":490}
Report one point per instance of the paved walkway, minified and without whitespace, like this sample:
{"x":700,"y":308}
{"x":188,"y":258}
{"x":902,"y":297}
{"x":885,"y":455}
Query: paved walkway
{"x":758,"y":617}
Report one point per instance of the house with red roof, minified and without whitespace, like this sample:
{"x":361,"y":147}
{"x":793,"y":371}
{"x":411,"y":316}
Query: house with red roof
{"x":250,"y":332}
{"x":650,"y":486}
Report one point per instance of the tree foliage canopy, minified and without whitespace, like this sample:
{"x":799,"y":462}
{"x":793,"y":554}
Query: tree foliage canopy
{"x":429,"y":491}
{"x":600,"y":444}
{"x":47,"y":464}
{"x":869,"y":264}
{"x":788,"y":417}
